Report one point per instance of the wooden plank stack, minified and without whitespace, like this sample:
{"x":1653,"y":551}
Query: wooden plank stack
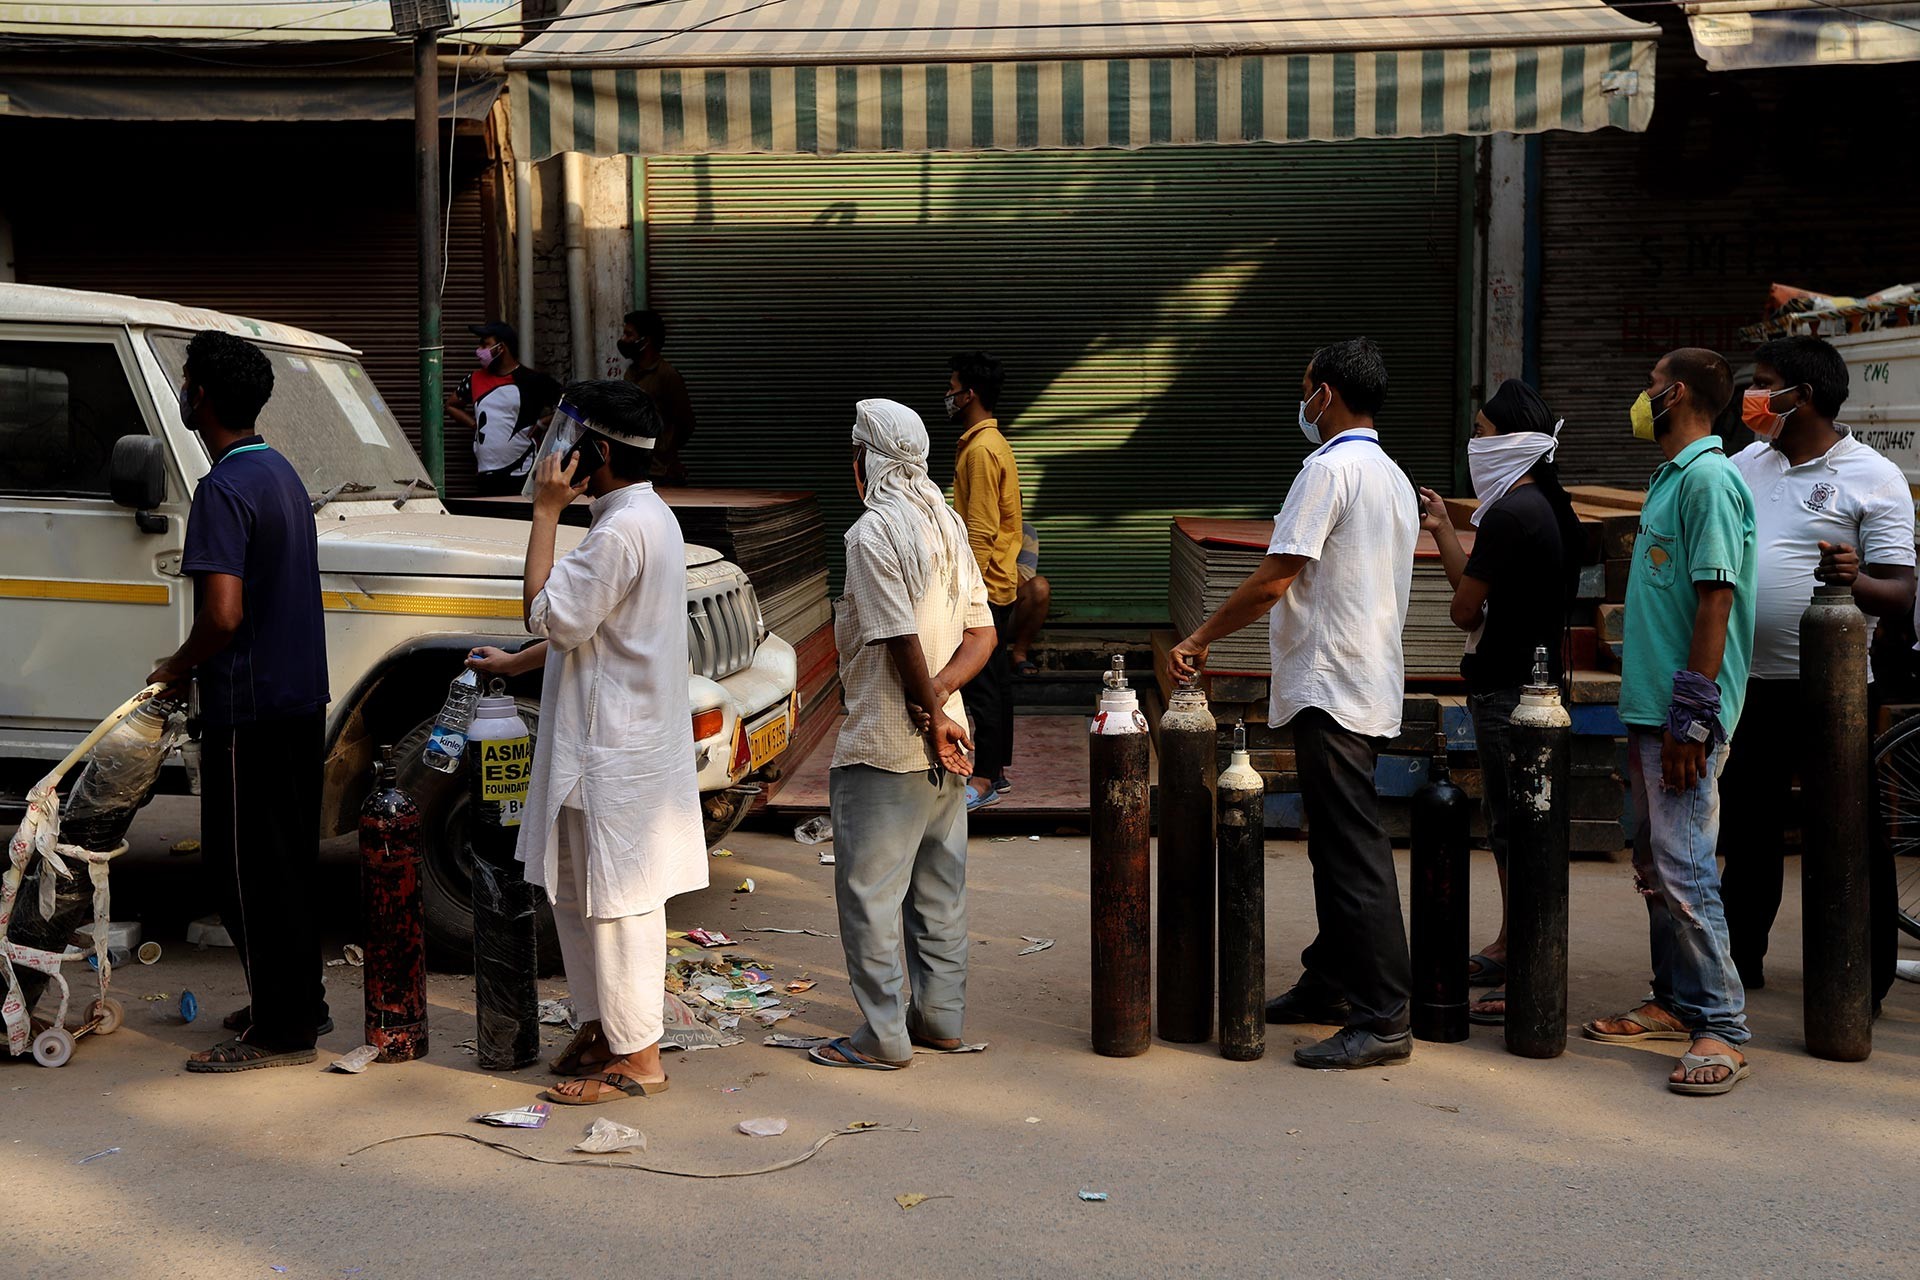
{"x":777,"y":537}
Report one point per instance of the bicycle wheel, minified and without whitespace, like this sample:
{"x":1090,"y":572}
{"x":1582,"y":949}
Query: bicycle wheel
{"x":1896,"y":785}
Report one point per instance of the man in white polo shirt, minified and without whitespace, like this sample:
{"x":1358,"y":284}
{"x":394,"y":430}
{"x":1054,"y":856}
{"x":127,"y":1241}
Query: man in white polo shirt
{"x":1825,"y":505}
{"x":1336,"y":578}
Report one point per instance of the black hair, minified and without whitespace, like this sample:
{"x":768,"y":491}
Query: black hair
{"x":1705,"y":373}
{"x":981,"y":374}
{"x":235,"y":376}
{"x":618,"y":404}
{"x":1514,"y":406}
{"x":1806,"y":361}
{"x":1355,"y":370}
{"x":649,"y":326}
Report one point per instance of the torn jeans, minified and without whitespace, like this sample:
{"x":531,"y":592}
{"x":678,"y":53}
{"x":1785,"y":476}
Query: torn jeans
{"x":1673,"y":861}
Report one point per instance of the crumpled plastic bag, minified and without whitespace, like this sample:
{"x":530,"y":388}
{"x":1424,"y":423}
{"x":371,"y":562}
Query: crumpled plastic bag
{"x":608,"y":1136}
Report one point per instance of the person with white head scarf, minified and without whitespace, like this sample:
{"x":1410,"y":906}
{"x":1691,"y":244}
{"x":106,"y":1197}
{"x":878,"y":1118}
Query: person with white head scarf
{"x":912,"y":628}
{"x":1510,"y":595}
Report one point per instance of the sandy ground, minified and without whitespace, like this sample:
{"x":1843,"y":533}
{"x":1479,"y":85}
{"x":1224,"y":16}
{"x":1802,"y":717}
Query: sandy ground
{"x":1464,"y":1162}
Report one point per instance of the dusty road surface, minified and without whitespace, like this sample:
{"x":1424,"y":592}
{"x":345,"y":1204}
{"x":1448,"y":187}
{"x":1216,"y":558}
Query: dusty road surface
{"x":1466,"y":1162}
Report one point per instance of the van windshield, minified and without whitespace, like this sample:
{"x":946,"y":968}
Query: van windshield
{"x":327,"y":419}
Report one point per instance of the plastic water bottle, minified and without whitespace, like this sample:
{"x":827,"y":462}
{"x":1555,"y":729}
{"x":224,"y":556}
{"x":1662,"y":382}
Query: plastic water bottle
{"x":449,"y":737}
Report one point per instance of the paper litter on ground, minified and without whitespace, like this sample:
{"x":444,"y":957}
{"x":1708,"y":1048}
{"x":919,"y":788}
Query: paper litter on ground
{"x":354,"y":1063}
{"x":1093,"y":1195}
{"x":826,"y":860}
{"x":797,"y":1042}
{"x":684,"y":1030}
{"x":764,"y":1127}
{"x":746,"y":886}
{"x":767,"y":1017}
{"x":607,"y":1136}
{"x":965,"y":1048}
{"x":811,"y":933}
{"x":532,"y":1116}
{"x":557,"y":1013}
{"x":1039,"y":944}
{"x":710,"y":938}
{"x":816,"y":830}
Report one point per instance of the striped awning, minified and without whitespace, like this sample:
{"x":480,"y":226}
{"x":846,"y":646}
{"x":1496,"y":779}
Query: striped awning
{"x":1739,"y":35}
{"x":808,"y":76}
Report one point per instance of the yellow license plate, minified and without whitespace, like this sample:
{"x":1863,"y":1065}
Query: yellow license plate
{"x":769,"y":740}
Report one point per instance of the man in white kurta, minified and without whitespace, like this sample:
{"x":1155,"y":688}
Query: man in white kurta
{"x":612,"y":826}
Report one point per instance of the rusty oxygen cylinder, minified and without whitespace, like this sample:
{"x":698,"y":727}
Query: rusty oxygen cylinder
{"x":1440,"y":865}
{"x":394,"y":920}
{"x":1835,"y":921}
{"x":1188,"y":760}
{"x":1121,"y":872}
{"x":1539,"y":764}
{"x":505,"y":906}
{"x":1243,"y":906}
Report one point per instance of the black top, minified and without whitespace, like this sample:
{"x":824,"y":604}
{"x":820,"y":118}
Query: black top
{"x":1518,"y":554}
{"x":252,"y":519}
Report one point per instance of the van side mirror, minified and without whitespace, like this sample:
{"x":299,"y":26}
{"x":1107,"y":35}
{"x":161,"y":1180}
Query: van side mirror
{"x":137,"y":478}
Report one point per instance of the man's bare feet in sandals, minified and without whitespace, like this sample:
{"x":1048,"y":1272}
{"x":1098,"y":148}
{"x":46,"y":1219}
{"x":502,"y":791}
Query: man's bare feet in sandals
{"x":1648,"y":1022}
{"x":638,"y":1073}
{"x":1705,"y":1069}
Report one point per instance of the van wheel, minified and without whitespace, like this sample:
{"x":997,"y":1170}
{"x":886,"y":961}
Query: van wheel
{"x":722,"y":811}
{"x":446,"y":879}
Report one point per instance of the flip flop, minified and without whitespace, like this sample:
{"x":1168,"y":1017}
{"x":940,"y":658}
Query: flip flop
{"x":1026,"y":667}
{"x":1653,"y":1031}
{"x":625,"y":1086}
{"x":1488,"y":1019}
{"x":1692,"y":1062}
{"x":1487,"y":972}
{"x":239,"y":1055}
{"x":852,"y":1057}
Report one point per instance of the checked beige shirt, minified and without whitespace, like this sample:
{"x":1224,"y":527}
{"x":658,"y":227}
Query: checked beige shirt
{"x":876,"y":607}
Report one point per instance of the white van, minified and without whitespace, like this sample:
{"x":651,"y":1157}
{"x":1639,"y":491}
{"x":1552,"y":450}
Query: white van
{"x":97,"y":472}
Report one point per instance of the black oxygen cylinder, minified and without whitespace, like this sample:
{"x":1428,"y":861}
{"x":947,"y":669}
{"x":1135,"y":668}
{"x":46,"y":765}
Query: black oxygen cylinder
{"x":393,"y":914}
{"x":1188,"y":760}
{"x":505,"y":915}
{"x":1441,"y":867}
{"x":1835,"y":921}
{"x":1539,"y":763}
{"x":1241,"y":840}
{"x":1121,"y":872}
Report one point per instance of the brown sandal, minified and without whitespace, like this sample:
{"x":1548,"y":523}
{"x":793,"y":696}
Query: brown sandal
{"x":623,"y":1085}
{"x":571,"y":1061}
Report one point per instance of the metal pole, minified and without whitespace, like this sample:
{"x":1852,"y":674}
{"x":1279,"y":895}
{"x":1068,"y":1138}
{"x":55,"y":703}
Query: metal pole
{"x":1188,"y":761}
{"x":1440,"y":863}
{"x":426,"y":186}
{"x":1539,"y":762}
{"x":1121,"y":873}
{"x":1243,"y":906}
{"x":523,"y":256}
{"x":1834,"y":863}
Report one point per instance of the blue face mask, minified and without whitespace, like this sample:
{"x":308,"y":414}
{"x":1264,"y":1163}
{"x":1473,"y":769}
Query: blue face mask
{"x":1310,"y":428}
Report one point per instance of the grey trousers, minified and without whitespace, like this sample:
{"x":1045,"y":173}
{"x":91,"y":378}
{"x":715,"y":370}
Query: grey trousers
{"x":900,"y":859}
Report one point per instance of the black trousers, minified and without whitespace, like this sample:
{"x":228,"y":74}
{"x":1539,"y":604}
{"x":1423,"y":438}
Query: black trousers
{"x":1769,"y":750}
{"x":989,"y":699}
{"x":260,"y":836}
{"x":1361,"y":949}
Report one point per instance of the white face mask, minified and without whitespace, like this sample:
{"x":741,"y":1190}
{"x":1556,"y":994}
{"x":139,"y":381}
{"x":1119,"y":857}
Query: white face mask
{"x":1310,"y":427}
{"x":1496,"y":463}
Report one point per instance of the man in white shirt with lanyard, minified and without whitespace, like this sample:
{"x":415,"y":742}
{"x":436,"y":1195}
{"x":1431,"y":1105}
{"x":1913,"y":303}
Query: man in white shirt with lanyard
{"x":1829,"y":509}
{"x":1336,"y":578}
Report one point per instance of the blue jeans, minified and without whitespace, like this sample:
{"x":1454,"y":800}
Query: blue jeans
{"x":900,"y":875}
{"x":1675,"y":833}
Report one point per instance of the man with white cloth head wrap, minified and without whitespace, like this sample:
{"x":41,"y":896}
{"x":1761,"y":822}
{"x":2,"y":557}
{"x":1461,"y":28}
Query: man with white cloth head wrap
{"x":912,"y":628}
{"x":1511,"y":596}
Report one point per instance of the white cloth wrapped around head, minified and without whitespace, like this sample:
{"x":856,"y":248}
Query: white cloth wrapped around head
{"x":928,"y":538}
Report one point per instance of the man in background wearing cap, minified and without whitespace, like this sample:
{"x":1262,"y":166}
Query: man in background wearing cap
{"x":612,"y":825}
{"x":503,"y":403}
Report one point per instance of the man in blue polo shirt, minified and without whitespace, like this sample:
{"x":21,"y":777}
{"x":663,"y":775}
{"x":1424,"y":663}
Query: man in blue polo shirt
{"x":1683,"y":678}
{"x":257,"y":652}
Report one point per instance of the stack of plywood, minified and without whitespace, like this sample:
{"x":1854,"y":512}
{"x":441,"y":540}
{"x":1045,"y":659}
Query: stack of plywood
{"x":778,"y":538}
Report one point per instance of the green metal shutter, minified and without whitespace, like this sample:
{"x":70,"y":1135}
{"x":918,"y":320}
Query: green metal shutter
{"x":1154,"y":311}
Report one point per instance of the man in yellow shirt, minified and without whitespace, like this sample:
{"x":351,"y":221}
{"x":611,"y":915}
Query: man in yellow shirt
{"x":986,"y":493}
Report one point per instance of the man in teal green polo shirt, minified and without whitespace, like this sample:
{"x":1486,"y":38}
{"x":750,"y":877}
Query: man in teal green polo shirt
{"x":1689,"y":638}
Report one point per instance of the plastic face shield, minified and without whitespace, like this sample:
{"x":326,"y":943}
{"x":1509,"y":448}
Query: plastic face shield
{"x":565,"y":429}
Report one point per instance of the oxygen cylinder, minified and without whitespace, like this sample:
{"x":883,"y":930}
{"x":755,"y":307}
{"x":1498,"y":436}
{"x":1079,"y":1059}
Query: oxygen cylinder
{"x":1440,"y":864}
{"x":1835,"y":922}
{"x":1188,"y":760}
{"x":505,"y":920}
{"x":1121,"y":872}
{"x":1539,"y":764}
{"x":393,"y":918}
{"x":1243,"y":906}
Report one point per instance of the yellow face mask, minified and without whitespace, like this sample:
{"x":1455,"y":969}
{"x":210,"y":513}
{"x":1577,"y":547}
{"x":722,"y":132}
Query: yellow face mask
{"x":1643,"y":415}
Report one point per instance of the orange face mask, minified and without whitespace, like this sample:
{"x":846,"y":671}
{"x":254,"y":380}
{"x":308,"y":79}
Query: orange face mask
{"x":1756,"y":410}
